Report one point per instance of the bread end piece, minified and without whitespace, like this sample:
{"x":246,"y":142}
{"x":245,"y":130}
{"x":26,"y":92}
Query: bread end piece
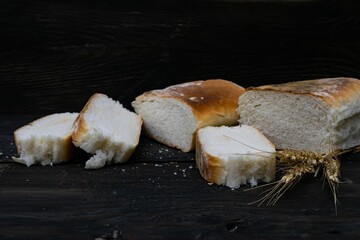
{"x":173,"y":115}
{"x":46,"y":141}
{"x":233,"y":156}
{"x":107,"y":130}
{"x":319,"y":115}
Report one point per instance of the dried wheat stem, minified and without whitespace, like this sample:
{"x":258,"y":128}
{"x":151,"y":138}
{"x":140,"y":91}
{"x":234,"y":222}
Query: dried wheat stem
{"x":291,"y":177}
{"x":298,"y":164}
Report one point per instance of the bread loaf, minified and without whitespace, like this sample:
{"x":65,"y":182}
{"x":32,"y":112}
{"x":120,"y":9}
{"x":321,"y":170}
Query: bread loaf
{"x":233,"y":156}
{"x":315,"y":115}
{"x":107,"y":130}
{"x":173,"y":115}
{"x":46,"y":141}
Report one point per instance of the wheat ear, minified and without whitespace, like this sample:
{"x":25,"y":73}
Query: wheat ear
{"x":289,"y":180}
{"x":299,"y":163}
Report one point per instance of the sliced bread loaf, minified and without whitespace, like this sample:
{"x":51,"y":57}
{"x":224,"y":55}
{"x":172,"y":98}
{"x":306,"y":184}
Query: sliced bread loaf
{"x":233,"y":156}
{"x":107,"y":130}
{"x":173,"y":115}
{"x":46,"y":141}
{"x":315,"y":115}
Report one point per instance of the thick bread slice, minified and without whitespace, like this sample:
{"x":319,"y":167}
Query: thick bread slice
{"x":233,"y":156}
{"x":172,"y":115}
{"x":316,"y":115}
{"x":46,"y":141}
{"x":107,"y":130}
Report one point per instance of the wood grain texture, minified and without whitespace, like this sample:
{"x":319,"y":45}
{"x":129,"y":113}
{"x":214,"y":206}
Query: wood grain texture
{"x":159,"y":194}
{"x":55,"y":55}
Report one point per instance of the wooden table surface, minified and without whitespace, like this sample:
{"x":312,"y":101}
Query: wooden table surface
{"x":55,"y":55}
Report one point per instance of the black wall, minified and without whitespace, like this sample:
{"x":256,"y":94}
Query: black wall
{"x":55,"y":54}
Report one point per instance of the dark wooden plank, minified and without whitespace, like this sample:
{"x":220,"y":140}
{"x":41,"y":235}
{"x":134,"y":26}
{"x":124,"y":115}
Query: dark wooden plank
{"x":152,"y":197}
{"x":55,"y":55}
{"x":138,"y":200}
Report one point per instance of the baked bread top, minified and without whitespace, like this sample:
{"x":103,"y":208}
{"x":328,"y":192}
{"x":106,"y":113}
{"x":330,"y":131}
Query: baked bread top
{"x":173,"y":115}
{"x":209,"y":99}
{"x":334,"y":91}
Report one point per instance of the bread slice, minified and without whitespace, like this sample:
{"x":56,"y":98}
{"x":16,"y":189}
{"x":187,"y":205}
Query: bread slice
{"x":107,"y":130}
{"x":46,"y":141}
{"x":172,"y":115}
{"x":315,"y":115}
{"x":233,"y":156}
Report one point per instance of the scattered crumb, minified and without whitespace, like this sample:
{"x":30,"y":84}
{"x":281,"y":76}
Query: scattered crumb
{"x":115,"y":234}
{"x":210,"y":183}
{"x":175,"y":173}
{"x":202,"y":98}
{"x":3,"y":167}
{"x":191,"y":167}
{"x":1,"y":153}
{"x":123,"y":170}
{"x":192,"y":98}
{"x":158,"y":165}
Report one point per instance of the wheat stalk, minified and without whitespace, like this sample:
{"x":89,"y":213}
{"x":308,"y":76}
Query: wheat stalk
{"x":300,"y":163}
{"x":288,"y":180}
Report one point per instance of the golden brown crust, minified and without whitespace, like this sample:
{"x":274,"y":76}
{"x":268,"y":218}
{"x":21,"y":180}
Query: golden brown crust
{"x":70,"y":150}
{"x":17,"y":142}
{"x":209,"y":166}
{"x":214,"y":101}
{"x":334,"y":91}
{"x":80,"y":127}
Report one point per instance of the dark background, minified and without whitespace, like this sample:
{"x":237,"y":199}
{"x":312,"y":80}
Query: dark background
{"x":55,"y":54}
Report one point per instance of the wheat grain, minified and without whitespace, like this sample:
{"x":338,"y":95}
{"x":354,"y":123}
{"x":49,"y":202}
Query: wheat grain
{"x":294,"y":156}
{"x":299,"y":163}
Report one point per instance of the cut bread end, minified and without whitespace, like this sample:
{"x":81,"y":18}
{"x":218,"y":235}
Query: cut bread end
{"x":319,"y":115}
{"x":233,"y":156}
{"x":172,"y":115}
{"x":107,"y":130}
{"x":46,"y":141}
{"x":301,"y":122}
{"x":169,"y":121}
